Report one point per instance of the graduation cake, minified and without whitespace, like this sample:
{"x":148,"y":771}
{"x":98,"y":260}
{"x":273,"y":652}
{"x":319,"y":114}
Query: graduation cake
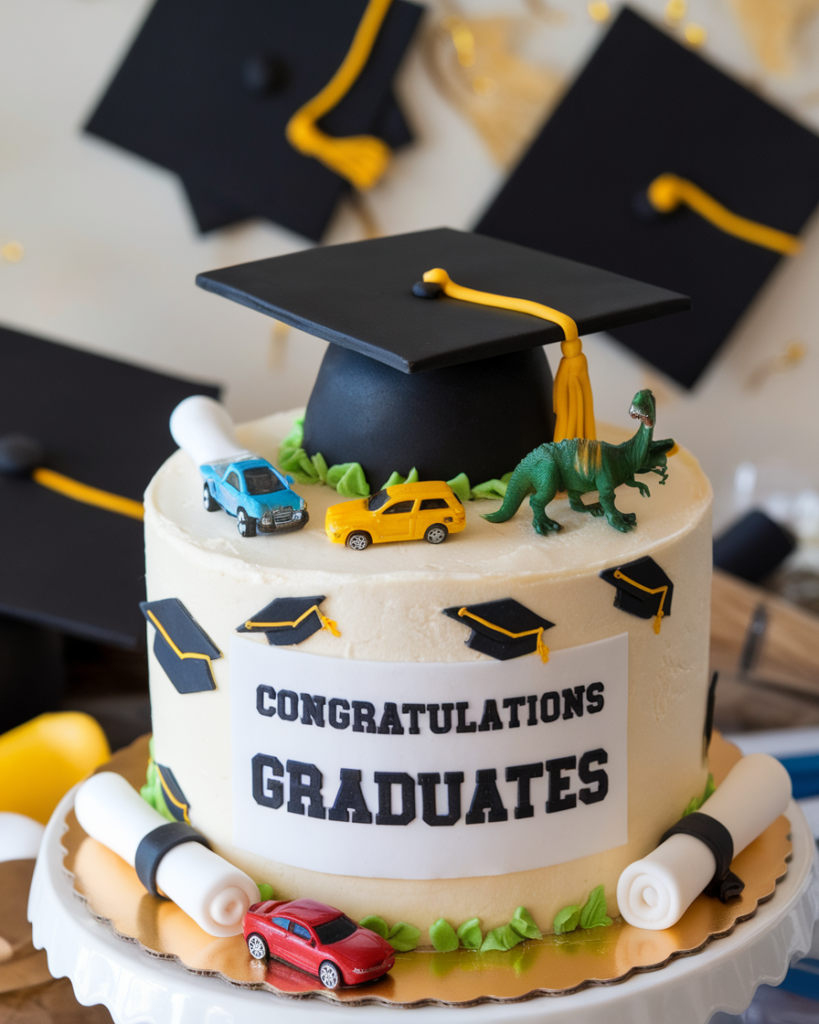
{"x":445,"y":730}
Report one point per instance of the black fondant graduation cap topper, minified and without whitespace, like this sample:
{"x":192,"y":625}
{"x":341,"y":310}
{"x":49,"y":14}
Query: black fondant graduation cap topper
{"x":642,"y":589}
{"x":290,"y":620}
{"x":648,"y":110}
{"x":445,"y":386}
{"x":209,"y":90}
{"x":503,"y":629}
{"x":79,"y":421}
{"x":182,"y":647}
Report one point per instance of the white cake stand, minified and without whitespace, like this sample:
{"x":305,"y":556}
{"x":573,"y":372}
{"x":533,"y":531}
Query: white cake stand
{"x":140,"y":989}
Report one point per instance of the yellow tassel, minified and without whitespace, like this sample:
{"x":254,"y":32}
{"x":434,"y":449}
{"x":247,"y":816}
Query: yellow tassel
{"x":668,"y":191}
{"x":572,"y":394}
{"x":73,"y":489}
{"x":360,"y":159}
{"x":573,"y":402}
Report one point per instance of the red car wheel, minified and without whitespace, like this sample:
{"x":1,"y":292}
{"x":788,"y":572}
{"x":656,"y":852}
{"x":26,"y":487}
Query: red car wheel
{"x":257,"y":947}
{"x":329,"y":975}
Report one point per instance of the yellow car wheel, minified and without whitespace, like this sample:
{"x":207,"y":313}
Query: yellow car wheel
{"x":359,"y":540}
{"x":436,"y":534}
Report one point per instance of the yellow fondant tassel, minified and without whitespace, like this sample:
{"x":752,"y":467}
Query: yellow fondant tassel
{"x":668,"y":191}
{"x":361,"y":159}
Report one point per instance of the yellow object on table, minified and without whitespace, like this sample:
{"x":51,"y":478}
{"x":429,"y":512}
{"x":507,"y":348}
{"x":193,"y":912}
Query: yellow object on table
{"x":42,"y":759}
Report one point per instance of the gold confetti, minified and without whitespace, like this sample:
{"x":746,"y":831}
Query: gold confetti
{"x":788,"y":359}
{"x":772,"y":28}
{"x":483,"y":85}
{"x":503,"y":95}
{"x":695,"y":35}
{"x":13,"y":252}
{"x":675,"y":11}
{"x":599,"y":10}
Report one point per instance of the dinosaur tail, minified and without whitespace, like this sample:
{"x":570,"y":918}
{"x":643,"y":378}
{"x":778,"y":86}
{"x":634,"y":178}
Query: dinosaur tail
{"x":519,"y":486}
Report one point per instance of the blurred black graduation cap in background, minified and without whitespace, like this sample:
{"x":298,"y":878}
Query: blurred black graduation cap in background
{"x":208,"y":87}
{"x":67,"y":565}
{"x":646,"y":106}
{"x":642,"y":589}
{"x":289,"y":620}
{"x":444,"y":386}
{"x":182,"y":647}
{"x":502,"y":629}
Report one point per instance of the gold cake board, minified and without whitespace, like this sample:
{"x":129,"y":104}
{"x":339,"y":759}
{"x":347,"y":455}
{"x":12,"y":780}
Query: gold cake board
{"x":552,"y":966}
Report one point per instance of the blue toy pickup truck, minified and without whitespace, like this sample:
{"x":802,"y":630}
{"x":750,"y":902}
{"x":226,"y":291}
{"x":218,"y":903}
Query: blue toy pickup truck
{"x":256,"y":493}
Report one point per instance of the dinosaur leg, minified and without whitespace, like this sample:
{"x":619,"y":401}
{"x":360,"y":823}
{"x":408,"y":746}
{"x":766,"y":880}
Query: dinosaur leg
{"x":643,"y":488}
{"x":576,"y":502}
{"x":538,"y":502}
{"x":622,"y":521}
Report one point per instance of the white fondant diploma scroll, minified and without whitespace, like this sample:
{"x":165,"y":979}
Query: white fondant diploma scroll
{"x":655,"y":892}
{"x":541,"y":749}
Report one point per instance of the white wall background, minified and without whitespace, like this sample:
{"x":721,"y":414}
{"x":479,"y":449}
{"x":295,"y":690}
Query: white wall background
{"x":111,"y":250}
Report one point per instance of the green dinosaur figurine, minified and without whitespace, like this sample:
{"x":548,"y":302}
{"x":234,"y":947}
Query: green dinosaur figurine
{"x":578,"y":466}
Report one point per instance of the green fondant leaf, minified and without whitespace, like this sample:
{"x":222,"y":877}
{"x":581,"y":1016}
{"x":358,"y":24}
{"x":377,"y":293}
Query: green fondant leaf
{"x":470,"y":934}
{"x":567,"y":920}
{"x":523,"y":923}
{"x":296,"y":436}
{"x":265,"y":891}
{"x":394,"y":478}
{"x":151,"y":792}
{"x":403,"y":937}
{"x":413,"y":476}
{"x":593,"y":914}
{"x":349,"y":480}
{"x":443,"y":936}
{"x":696,"y":802}
{"x":375,"y":924}
{"x":492,"y":488}
{"x":502,"y":938}
{"x":460,"y":485}
{"x":298,"y":464}
{"x":320,"y":466}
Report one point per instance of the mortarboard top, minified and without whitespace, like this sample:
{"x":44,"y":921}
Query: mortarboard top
{"x":642,"y":589}
{"x":441,"y":385}
{"x":646,"y":106}
{"x":182,"y":647}
{"x":208,"y":87}
{"x":502,"y":629}
{"x":65,"y":564}
{"x":289,"y":620}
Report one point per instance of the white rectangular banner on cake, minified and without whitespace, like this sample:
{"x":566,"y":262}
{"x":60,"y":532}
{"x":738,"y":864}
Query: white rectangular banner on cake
{"x":429,"y":770}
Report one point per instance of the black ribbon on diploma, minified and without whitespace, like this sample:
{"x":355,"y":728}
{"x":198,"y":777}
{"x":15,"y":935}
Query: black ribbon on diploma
{"x":725,"y":884}
{"x":153,"y":847}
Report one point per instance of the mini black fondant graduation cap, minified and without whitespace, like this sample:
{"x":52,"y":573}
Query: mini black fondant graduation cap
{"x":84,"y":425}
{"x":503,"y":629}
{"x":446,"y":386}
{"x":175,"y":799}
{"x":289,"y":620}
{"x":209,"y":88}
{"x":643,"y":589}
{"x":646,"y":108}
{"x":182,"y":647}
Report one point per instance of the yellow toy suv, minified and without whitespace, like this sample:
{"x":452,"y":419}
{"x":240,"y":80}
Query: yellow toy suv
{"x":429,"y":510}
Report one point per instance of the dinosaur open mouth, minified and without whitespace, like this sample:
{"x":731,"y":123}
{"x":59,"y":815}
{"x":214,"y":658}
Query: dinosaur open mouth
{"x":644,"y":417}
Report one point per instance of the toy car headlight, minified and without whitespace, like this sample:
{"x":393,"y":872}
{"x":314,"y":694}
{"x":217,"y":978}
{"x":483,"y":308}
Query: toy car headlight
{"x":267,"y":518}
{"x":297,"y":513}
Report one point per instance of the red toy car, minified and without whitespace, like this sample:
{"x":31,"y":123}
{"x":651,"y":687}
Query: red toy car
{"x":318,"y":939}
